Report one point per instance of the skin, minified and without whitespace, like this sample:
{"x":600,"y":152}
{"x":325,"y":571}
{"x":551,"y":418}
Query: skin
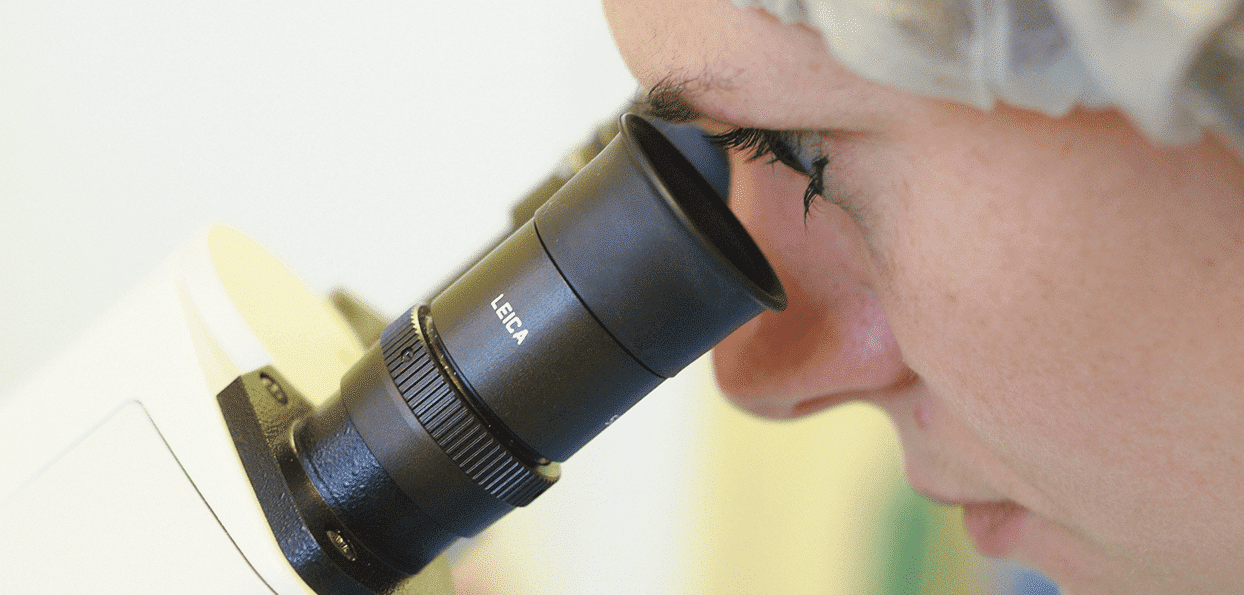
{"x":1048,"y":308}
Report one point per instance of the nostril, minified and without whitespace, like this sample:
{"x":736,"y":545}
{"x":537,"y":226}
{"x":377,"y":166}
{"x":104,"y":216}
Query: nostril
{"x":921,"y":415}
{"x":818,"y":404}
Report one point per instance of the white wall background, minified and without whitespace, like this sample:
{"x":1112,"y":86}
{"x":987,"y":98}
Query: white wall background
{"x":373,"y":144}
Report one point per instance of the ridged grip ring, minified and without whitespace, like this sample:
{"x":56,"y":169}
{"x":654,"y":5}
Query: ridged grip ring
{"x":451,"y":422}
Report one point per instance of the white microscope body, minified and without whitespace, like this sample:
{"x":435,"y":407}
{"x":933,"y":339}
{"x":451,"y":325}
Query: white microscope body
{"x":119,"y":473}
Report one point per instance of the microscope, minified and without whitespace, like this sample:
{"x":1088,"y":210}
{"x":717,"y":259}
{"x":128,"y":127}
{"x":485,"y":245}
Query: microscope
{"x":276,"y":442}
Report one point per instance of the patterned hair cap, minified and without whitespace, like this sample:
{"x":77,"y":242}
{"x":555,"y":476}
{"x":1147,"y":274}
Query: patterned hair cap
{"x":1046,"y":55}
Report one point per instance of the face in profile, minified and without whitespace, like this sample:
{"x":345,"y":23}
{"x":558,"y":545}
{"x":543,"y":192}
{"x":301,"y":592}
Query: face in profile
{"x":1048,"y":309}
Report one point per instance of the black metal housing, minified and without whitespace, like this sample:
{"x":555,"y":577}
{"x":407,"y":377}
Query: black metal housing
{"x":461,"y":411}
{"x":261,"y":410}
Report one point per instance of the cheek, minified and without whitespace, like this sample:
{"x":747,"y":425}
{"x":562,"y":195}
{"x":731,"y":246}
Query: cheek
{"x":1016,"y":294}
{"x":1061,"y":308}
{"x":1006,"y":282}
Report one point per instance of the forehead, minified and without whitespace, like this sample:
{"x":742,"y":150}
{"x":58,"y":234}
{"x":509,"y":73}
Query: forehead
{"x":745,"y":67}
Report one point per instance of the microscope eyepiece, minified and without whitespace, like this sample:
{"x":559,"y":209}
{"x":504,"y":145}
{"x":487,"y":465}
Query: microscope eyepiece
{"x":463,"y":409}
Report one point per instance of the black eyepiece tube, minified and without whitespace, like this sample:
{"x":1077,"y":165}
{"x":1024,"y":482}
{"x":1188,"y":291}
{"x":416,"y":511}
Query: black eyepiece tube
{"x":631,"y":271}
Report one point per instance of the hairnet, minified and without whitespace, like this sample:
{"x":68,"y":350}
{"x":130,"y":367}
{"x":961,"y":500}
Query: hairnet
{"x":1046,"y":55}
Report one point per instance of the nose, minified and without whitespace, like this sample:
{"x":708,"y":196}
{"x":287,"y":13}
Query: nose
{"x":832,"y":343}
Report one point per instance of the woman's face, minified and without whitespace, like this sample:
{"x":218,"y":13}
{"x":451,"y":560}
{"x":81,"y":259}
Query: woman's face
{"x":1051,"y":310}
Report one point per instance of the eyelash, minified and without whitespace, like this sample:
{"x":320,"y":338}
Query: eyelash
{"x":776,"y":145}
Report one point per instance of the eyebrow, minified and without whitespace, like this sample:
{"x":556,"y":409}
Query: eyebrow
{"x":667,"y":100}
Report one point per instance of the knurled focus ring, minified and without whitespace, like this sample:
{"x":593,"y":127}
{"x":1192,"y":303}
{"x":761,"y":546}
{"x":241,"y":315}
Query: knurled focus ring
{"x":451,"y":422}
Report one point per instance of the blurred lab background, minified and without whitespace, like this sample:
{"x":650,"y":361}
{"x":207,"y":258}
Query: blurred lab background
{"x":378,"y":146}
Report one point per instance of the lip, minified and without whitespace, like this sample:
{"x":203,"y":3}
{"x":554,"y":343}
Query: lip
{"x":995,"y":527}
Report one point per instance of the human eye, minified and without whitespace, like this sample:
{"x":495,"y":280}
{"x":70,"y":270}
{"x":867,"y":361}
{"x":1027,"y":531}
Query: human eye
{"x":797,"y":150}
